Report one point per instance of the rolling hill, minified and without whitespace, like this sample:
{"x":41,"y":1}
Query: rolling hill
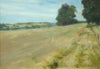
{"x":64,"y":47}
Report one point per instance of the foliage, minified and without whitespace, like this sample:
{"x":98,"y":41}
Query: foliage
{"x":66,"y":15}
{"x":4,"y":27}
{"x":25,"y":26}
{"x":92,"y":11}
{"x":53,"y":65}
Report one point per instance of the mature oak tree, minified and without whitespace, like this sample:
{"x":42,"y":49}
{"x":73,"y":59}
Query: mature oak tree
{"x":66,"y":15}
{"x":91,"y":11}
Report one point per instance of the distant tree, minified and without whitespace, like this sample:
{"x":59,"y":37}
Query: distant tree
{"x":92,"y":11}
{"x":33,"y":26}
{"x":27,"y":27}
{"x":37,"y":26}
{"x":3,"y":26}
{"x":7,"y":28}
{"x":66,"y":15}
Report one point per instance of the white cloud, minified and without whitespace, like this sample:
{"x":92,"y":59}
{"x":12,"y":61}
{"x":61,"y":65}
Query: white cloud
{"x":46,"y":9}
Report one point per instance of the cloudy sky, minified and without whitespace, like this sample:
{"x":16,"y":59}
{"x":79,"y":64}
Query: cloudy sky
{"x":13,"y":11}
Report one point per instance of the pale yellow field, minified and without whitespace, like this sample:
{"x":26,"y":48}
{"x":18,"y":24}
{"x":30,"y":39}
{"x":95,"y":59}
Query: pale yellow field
{"x":75,"y":44}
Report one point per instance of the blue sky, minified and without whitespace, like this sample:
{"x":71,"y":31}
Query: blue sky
{"x":13,"y":11}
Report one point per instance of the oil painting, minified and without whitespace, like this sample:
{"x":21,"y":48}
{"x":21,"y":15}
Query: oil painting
{"x":49,"y":34}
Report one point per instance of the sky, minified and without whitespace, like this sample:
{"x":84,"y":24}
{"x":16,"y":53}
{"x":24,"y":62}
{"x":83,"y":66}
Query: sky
{"x":14,"y":11}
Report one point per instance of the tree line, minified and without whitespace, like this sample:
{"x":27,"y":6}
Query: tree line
{"x":25,"y":26}
{"x":91,"y":12}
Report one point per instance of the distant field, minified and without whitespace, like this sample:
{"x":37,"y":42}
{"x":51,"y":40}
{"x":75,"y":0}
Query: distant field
{"x":18,"y":26}
{"x":28,"y":49}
